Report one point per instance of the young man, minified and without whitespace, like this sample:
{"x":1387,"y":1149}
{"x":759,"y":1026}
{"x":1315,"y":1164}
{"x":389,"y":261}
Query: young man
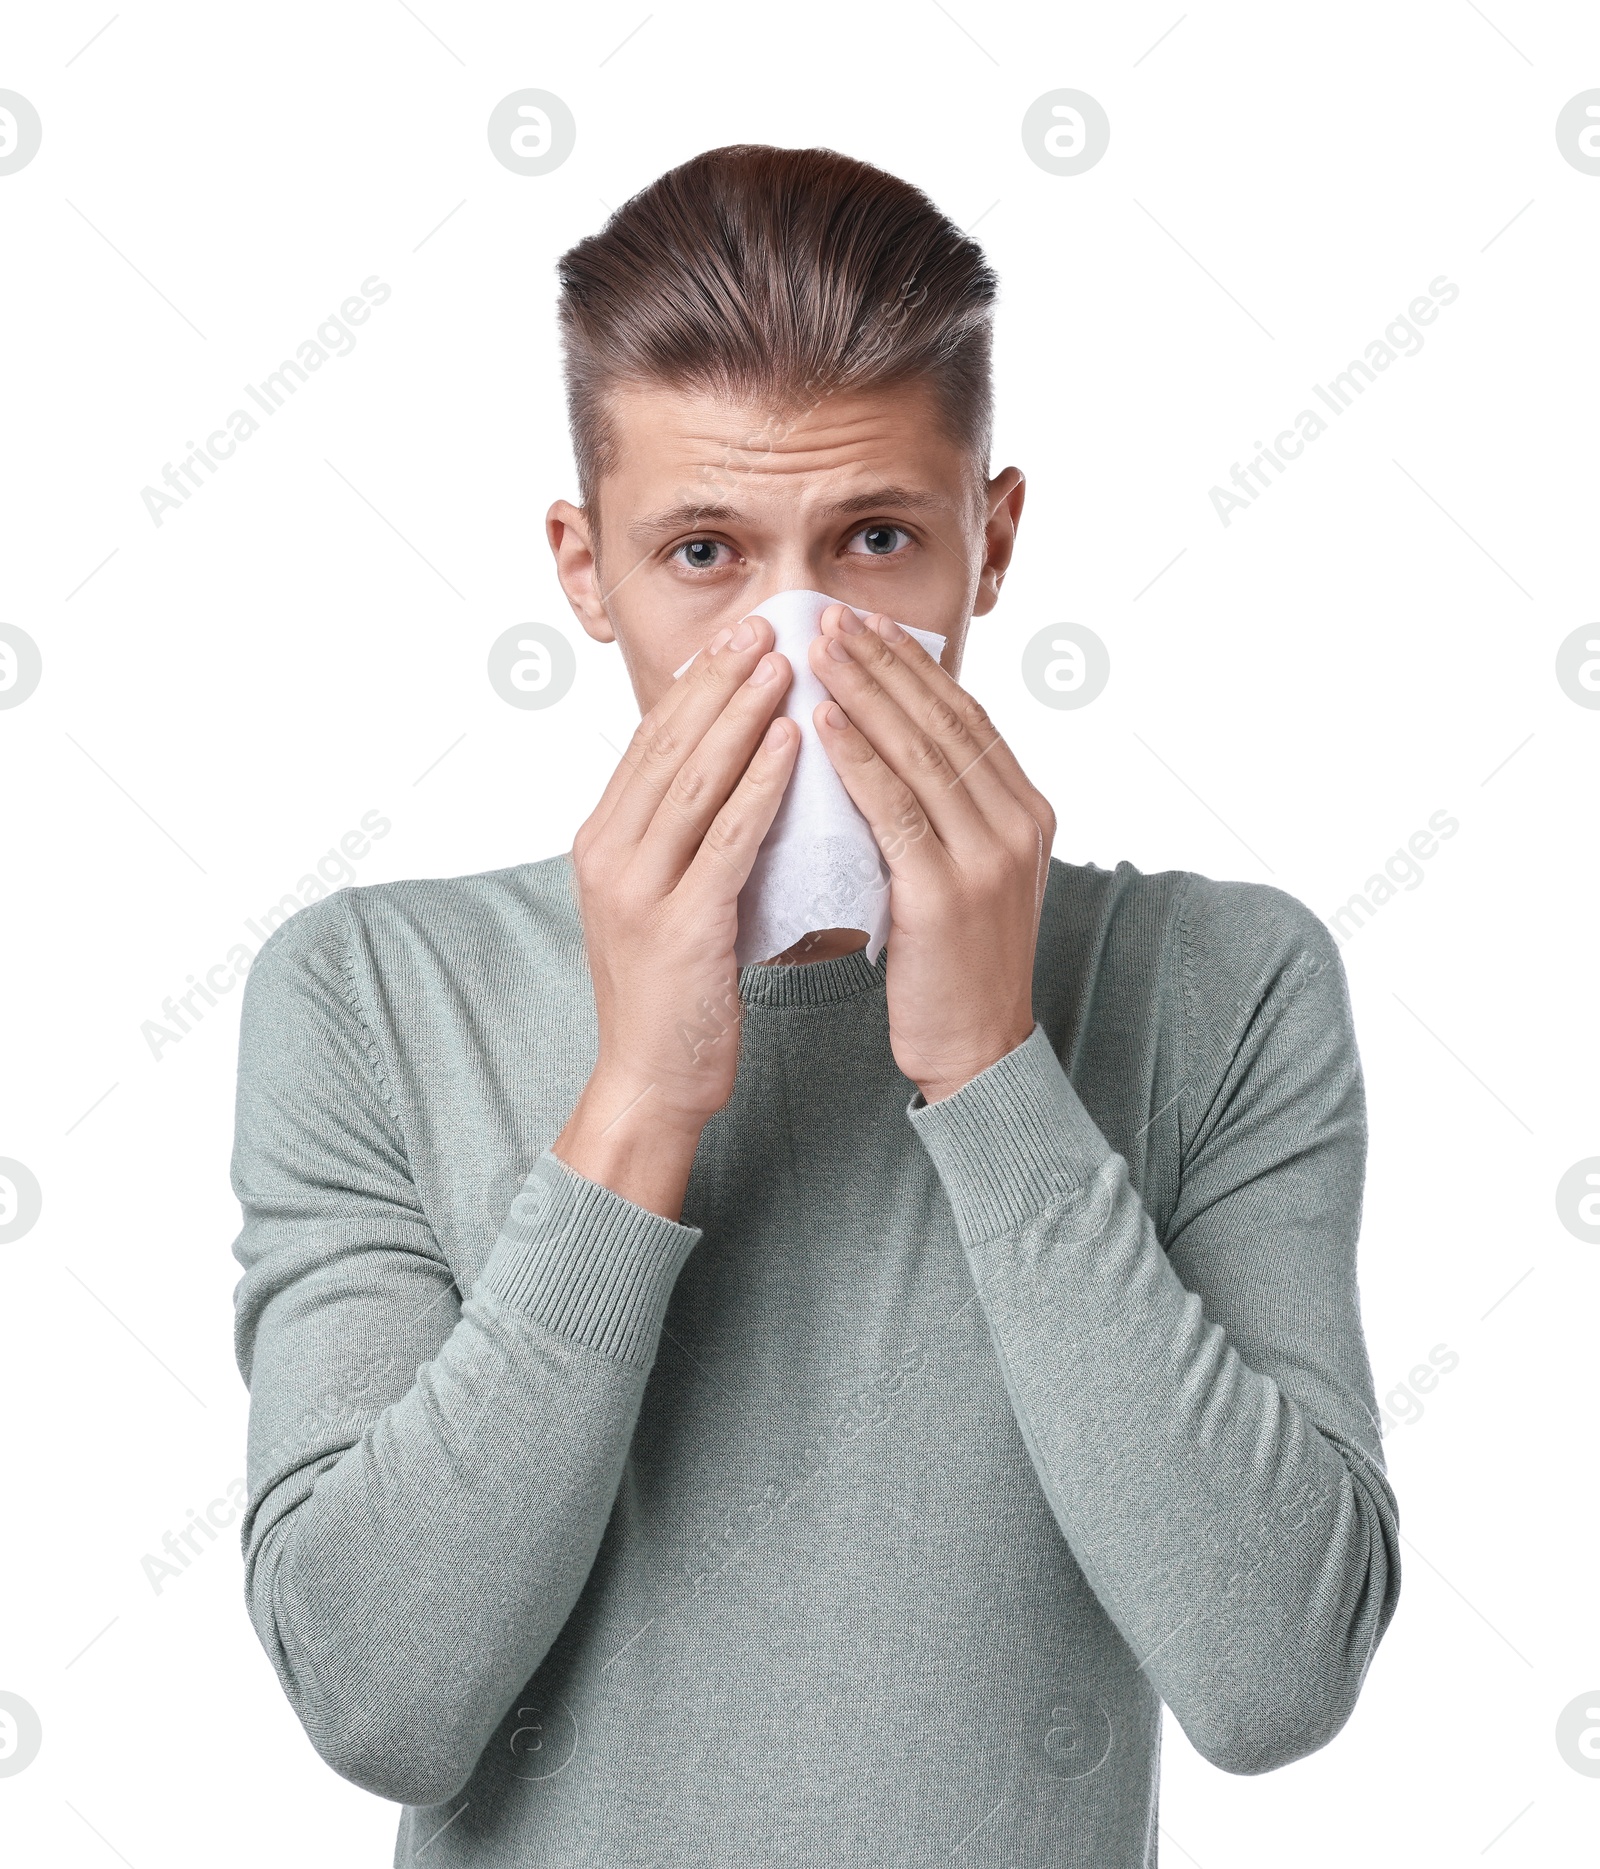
{"x":890,"y":1382}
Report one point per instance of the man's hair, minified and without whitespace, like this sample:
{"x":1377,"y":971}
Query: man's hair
{"x":779,"y":275}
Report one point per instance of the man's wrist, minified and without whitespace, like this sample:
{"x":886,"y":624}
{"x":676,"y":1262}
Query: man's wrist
{"x":936,"y":1088}
{"x":620,"y":1136}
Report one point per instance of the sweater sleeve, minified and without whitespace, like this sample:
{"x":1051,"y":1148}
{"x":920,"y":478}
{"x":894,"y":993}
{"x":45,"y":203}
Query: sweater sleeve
{"x":1199,"y":1409}
{"x":430,"y":1471}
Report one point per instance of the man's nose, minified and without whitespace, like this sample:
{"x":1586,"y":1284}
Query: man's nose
{"x":796,"y":568}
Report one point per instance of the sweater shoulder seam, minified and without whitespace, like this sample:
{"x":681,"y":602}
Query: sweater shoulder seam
{"x":353,"y":999}
{"x":1185,"y":1008}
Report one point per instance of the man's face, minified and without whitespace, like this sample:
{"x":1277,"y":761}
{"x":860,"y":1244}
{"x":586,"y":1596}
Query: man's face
{"x":717,"y":504}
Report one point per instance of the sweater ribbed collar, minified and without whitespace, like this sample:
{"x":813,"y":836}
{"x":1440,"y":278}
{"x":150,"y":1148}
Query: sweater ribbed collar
{"x":814,"y":982}
{"x":805,"y":983}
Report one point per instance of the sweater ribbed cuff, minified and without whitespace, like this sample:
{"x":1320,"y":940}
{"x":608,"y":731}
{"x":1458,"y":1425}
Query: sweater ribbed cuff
{"x":1011,"y":1141}
{"x":586,"y":1262}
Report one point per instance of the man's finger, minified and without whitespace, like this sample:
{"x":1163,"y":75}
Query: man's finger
{"x":974,"y":744}
{"x":905,"y":835}
{"x":917,"y":735}
{"x":726,"y":854}
{"x":673,"y":728}
{"x":712,"y":771}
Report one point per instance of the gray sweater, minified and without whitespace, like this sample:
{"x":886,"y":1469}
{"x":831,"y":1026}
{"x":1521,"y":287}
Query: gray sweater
{"x":867,"y":1516}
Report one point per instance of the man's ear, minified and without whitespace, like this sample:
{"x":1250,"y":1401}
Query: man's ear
{"x":571,"y":543}
{"x":1003,"y":501}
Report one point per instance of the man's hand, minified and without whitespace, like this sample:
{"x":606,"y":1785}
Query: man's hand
{"x":659,"y":865}
{"x":966,"y":838}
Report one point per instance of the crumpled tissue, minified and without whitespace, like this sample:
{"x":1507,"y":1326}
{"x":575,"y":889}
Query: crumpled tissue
{"x":819,"y":865}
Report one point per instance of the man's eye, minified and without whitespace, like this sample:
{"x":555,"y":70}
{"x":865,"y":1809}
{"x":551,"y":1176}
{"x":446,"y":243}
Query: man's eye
{"x":880,"y":541}
{"x":699,"y":554}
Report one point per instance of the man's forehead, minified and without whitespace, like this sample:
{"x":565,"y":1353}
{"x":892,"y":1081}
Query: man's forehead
{"x":852,"y":451}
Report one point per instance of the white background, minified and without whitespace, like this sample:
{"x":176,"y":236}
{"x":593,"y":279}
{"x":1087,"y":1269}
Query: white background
{"x":224,"y":696}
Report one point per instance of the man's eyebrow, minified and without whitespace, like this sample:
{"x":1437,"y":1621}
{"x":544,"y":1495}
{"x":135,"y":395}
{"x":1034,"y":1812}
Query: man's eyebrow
{"x":691,"y":512}
{"x":908,"y":499}
{"x":695,"y":512}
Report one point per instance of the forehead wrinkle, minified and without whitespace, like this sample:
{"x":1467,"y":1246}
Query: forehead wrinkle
{"x":763,"y":441}
{"x":837,"y":457}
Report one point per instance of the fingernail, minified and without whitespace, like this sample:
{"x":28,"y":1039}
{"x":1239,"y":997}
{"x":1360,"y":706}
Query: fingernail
{"x":837,"y":650}
{"x":889,"y":630}
{"x":776,"y":733}
{"x":834,"y":715}
{"x":719,"y":641}
{"x":851,"y":624}
{"x":743,"y":636}
{"x":763,"y":671}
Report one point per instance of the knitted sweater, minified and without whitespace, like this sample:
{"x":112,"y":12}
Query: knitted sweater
{"x":867,"y":1515}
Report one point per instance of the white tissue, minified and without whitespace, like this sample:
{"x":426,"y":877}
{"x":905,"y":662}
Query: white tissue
{"x":819,"y":865}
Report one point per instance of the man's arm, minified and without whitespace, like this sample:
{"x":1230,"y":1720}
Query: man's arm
{"x":431,"y":1472}
{"x":1200,"y":1416}
{"x":430,"y":1475}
